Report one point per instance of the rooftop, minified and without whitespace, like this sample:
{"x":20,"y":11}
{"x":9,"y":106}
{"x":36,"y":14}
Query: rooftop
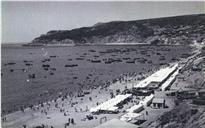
{"x":135,"y":107}
{"x":158,"y":100}
{"x":158,"y":76}
{"x":110,"y":105}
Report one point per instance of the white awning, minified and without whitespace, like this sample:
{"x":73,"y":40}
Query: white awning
{"x":158,"y":76}
{"x":134,"y":108}
{"x":110,"y":105}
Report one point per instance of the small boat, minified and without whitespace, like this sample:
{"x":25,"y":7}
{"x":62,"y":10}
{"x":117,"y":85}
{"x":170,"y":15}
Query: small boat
{"x":45,"y":69}
{"x":130,"y":61}
{"x":51,"y":73}
{"x":45,"y":65}
{"x":161,"y":58}
{"x":108,"y":62}
{"x":149,"y":62}
{"x":47,"y":59}
{"x":53,"y":56}
{"x":158,"y":53}
{"x":95,"y":61}
{"x":127,"y":58}
{"x":11,"y":63}
{"x":31,"y":76}
{"x":28,"y":64}
{"x":71,"y":65}
{"x":91,"y":50}
{"x":27,"y":61}
{"x":54,"y":69}
{"x":95,"y":56}
{"x":79,"y":58}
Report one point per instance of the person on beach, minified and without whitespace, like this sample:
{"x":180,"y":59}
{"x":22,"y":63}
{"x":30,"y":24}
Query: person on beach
{"x":4,"y":119}
{"x":66,"y":124}
{"x":72,"y":121}
{"x":147,"y":113}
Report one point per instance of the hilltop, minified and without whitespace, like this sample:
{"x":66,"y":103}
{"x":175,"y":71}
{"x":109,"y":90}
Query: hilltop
{"x":186,"y":29}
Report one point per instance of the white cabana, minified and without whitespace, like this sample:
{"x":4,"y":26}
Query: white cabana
{"x":147,"y":100}
{"x":158,"y":76}
{"x":169,"y":81}
{"x":110,"y":105}
{"x":135,"y":109}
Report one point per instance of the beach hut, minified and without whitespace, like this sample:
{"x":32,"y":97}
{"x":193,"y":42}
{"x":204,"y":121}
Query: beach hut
{"x":110,"y":105}
{"x":158,"y":103}
{"x":158,"y":78}
{"x":135,"y":109}
{"x":169,"y":81}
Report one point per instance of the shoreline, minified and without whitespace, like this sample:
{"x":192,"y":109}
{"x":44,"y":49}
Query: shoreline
{"x":76,"y":93}
{"x":39,"y":110}
{"x":74,"y":45}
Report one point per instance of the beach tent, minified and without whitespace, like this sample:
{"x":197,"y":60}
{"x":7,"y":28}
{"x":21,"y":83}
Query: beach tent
{"x":147,"y":100}
{"x":135,"y":109}
{"x":110,"y":105}
{"x":158,"y":77}
{"x":169,"y":81}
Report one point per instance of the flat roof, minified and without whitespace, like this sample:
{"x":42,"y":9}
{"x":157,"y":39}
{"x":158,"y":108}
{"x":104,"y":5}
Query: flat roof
{"x":158,"y":76}
{"x":147,"y":99}
{"x":158,"y":100}
{"x":168,"y":82}
{"x":135,"y":107}
{"x":116,"y":123}
{"x":110,"y":104}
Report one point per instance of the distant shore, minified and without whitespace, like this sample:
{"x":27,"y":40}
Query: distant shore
{"x":106,"y":44}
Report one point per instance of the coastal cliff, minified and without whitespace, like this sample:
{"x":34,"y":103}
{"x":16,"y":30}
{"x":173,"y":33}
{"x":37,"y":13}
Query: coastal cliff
{"x":186,"y":29}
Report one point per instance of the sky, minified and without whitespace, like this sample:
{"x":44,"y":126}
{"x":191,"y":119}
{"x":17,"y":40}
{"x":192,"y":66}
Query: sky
{"x":23,"y":21}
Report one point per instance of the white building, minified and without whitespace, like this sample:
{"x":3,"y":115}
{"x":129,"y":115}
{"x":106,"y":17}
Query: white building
{"x":111,"y":105}
{"x":135,"y":109}
{"x":157,"y":77}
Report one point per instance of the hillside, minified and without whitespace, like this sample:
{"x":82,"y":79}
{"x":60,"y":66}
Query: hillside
{"x":169,"y":30}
